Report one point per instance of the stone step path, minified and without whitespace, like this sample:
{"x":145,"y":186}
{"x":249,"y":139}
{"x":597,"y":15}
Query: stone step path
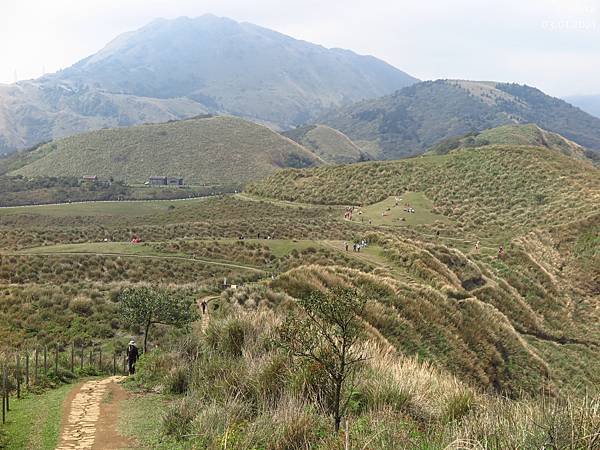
{"x":80,"y":426}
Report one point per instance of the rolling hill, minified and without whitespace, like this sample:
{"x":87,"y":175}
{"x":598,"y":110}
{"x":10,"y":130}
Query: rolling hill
{"x":494,"y":190}
{"x":205,"y":150}
{"x":173,"y":69}
{"x":331,"y":145}
{"x":529,"y":135}
{"x":415,"y":118}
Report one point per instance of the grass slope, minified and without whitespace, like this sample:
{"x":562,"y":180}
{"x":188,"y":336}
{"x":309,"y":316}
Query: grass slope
{"x":529,"y":134}
{"x":331,"y":145}
{"x":493,"y":190}
{"x":413,"y":119}
{"x":213,"y":150}
{"x":34,"y":421}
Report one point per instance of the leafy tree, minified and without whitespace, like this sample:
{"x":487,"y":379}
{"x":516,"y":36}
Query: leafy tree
{"x":145,"y":306}
{"x":326,"y":332}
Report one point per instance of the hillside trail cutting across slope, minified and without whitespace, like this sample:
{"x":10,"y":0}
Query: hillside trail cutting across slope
{"x":90,"y":417}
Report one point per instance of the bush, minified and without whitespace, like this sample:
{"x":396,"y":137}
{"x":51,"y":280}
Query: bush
{"x":177,"y":380}
{"x":81,"y":305}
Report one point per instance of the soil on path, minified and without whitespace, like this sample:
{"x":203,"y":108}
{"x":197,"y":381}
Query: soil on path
{"x":91,"y":415}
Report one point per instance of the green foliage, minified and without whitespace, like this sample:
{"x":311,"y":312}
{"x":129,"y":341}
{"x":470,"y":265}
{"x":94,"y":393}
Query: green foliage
{"x":327,"y":334}
{"x":257,"y":399}
{"x":144,"y":306}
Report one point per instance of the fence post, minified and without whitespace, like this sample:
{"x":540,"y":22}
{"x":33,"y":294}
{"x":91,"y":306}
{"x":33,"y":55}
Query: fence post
{"x":3,"y":394}
{"x":36,"y":365}
{"x":91,"y":363}
{"x":100,"y":360}
{"x":72,"y":357}
{"x":5,"y":386}
{"x":27,"y":369}
{"x":124,"y":364}
{"x":56,"y":361}
{"x":114,"y":363}
{"x":81,"y":361}
{"x":45,"y":360}
{"x":18,"y":375}
{"x":346,"y":435}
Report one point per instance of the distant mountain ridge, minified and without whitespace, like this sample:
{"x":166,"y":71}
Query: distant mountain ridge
{"x":415,"y":118}
{"x":589,"y":103}
{"x":173,"y":69}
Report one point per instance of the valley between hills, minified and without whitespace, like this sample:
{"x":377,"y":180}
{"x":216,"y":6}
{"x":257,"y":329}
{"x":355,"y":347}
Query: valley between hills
{"x":414,"y":264}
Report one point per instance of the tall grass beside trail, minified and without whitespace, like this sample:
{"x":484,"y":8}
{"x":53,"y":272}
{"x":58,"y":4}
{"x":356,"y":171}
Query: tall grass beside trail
{"x":234,"y":388}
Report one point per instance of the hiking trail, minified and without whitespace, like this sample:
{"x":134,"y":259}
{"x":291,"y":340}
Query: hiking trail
{"x":91,"y":414}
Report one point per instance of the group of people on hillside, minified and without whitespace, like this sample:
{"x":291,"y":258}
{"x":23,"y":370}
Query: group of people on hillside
{"x":242,"y":237}
{"x":356,"y":246}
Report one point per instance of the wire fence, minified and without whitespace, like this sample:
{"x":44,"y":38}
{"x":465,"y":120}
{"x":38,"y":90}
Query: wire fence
{"x":44,"y":366}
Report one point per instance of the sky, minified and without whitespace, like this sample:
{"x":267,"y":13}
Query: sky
{"x":551,"y":44}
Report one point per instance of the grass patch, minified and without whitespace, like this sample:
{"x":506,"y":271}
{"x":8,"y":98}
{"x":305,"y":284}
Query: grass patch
{"x":122,"y":208}
{"x":387,"y":213}
{"x":141,"y":418}
{"x":34,"y":421}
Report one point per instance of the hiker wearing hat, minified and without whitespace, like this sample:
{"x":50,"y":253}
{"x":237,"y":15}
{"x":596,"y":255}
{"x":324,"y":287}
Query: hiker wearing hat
{"x":132,"y":356}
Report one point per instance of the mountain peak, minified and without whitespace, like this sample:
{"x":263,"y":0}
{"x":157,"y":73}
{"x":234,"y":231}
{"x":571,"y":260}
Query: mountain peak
{"x":176,"y":68}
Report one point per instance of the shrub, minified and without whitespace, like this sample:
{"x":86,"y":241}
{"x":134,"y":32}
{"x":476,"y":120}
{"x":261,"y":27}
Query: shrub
{"x":81,"y":305}
{"x":177,"y":380}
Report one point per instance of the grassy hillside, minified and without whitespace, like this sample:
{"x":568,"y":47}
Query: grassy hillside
{"x":228,"y":384}
{"x":331,"y":145}
{"x":530,"y":135}
{"x":416,"y":117}
{"x":211,"y":150}
{"x":465,"y":346}
{"x":491,"y":190}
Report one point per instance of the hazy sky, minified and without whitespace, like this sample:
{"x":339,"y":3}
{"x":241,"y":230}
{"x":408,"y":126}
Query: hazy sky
{"x":551,"y":44}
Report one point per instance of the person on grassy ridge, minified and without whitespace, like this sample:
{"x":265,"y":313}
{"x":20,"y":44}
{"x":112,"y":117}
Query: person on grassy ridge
{"x":132,"y":356}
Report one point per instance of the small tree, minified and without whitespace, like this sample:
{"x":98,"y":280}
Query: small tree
{"x":327,"y":333}
{"x":144,"y":306}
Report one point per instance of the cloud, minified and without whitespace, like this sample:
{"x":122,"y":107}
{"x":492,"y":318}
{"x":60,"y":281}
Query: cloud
{"x":553,"y":44}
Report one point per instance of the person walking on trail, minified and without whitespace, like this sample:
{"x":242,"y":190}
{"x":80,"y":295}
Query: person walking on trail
{"x":203,"y":304}
{"x":132,"y":356}
{"x":346,"y":245}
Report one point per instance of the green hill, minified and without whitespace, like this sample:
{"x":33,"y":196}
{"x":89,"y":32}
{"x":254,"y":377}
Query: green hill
{"x":331,"y":145}
{"x":530,"y":135}
{"x":494,"y":190}
{"x":208,"y":150}
{"x":415,"y":118}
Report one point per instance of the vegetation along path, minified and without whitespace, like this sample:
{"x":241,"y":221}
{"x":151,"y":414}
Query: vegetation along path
{"x":90,"y":416}
{"x":126,"y":255}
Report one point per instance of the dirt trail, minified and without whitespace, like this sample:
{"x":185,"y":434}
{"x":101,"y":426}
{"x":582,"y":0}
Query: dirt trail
{"x":90,"y":417}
